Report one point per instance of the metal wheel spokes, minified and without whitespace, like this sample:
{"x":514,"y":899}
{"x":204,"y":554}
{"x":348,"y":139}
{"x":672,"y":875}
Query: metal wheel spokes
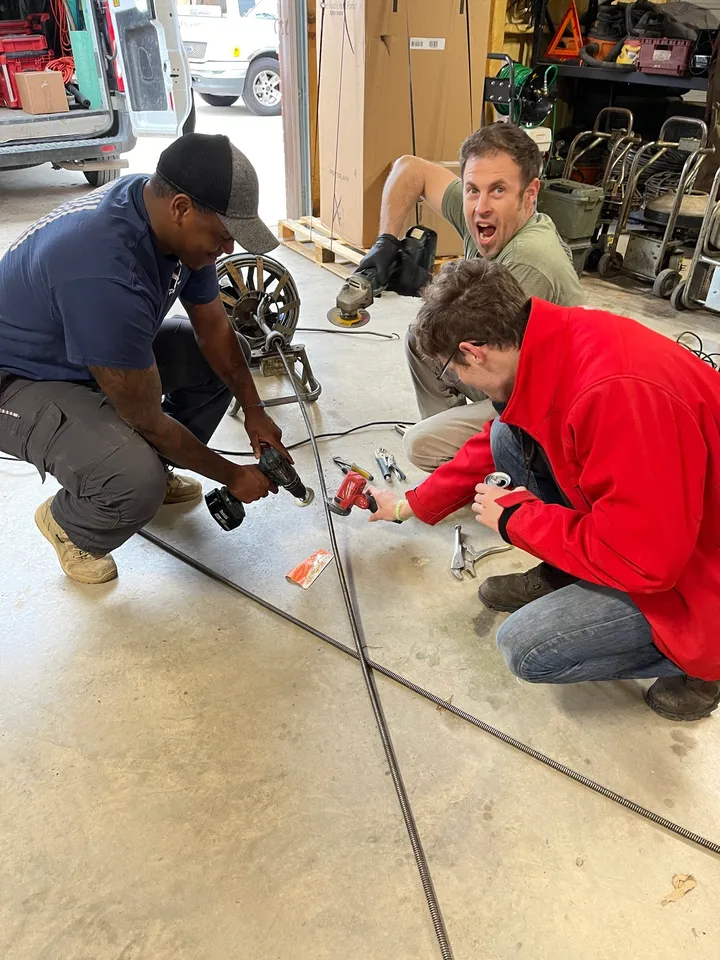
{"x":254,"y":287}
{"x":266,"y":88}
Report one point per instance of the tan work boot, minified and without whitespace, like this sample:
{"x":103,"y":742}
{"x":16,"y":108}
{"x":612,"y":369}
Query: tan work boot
{"x":181,"y":489}
{"x":78,"y":564}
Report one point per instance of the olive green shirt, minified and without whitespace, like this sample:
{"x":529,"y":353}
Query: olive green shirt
{"x":536,"y":256}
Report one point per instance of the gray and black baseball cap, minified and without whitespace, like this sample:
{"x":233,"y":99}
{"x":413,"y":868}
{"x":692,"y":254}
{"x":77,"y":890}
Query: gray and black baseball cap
{"x":215,"y":174}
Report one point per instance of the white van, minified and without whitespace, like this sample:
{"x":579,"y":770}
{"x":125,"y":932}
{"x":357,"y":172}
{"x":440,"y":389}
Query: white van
{"x":136,"y":76}
{"x":232,"y":46}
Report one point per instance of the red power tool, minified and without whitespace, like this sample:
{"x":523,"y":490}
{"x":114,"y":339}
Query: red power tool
{"x":351,"y":493}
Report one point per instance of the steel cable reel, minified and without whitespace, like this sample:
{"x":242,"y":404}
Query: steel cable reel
{"x":262,"y":300}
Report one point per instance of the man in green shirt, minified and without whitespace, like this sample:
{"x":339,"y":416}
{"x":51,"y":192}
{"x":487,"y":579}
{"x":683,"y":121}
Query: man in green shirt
{"x":493,"y":208}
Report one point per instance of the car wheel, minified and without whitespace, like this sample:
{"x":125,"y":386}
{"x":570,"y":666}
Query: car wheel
{"x":98,"y":178}
{"x":217,"y":101}
{"x":262,"y":87}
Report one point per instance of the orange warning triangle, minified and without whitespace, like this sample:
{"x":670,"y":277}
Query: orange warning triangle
{"x":562,"y":47}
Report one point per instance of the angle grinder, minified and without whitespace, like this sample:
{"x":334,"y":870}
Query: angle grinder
{"x":417,"y":249}
{"x":229,"y":512}
{"x":352,"y":493}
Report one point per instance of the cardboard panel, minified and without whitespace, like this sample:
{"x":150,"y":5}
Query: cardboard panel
{"x":375,"y":54}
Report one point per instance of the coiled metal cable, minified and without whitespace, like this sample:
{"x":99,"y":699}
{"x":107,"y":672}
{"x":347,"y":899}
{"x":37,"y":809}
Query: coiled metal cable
{"x":566,"y":771}
{"x":392,"y":762}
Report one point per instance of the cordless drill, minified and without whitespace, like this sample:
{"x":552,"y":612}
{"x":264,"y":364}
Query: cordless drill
{"x":229,"y":512}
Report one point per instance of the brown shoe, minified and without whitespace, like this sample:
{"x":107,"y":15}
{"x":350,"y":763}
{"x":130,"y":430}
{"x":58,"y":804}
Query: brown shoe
{"x":683,"y":698}
{"x":78,"y":564}
{"x":181,"y":489}
{"x":513,"y":590}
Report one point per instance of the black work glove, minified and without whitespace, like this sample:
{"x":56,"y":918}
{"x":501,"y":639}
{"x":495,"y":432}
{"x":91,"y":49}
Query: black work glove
{"x":409,"y":278}
{"x":380,"y":259}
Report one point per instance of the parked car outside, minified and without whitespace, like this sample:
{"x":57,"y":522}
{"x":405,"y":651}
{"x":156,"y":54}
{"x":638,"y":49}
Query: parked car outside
{"x":233,"y":53}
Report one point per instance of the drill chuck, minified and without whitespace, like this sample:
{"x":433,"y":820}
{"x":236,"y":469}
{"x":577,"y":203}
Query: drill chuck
{"x":282,"y":473}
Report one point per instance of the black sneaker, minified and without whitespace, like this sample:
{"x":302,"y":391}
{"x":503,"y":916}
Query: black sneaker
{"x":512,"y":591}
{"x":683,"y":698}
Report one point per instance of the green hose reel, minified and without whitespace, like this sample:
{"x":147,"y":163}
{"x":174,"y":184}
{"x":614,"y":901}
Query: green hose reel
{"x":534,"y":100}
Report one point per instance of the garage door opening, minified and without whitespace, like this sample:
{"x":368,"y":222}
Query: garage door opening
{"x":232,"y":47}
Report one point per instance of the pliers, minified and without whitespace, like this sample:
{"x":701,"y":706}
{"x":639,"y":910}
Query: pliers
{"x":465,"y":557}
{"x":388,"y":465}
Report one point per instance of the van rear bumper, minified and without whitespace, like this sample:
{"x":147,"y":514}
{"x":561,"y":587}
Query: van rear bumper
{"x":119,"y":139}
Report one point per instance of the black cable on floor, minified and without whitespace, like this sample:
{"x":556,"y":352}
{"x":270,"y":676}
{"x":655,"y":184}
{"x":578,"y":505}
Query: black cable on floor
{"x":319,"y":436}
{"x":442,"y":704}
{"x":392,"y":762}
{"x":299,"y":443}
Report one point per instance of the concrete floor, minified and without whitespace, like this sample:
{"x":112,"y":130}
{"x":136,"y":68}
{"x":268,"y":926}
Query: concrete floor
{"x":186,"y":777}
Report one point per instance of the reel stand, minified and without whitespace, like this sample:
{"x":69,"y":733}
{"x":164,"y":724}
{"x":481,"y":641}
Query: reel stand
{"x":263,"y":304}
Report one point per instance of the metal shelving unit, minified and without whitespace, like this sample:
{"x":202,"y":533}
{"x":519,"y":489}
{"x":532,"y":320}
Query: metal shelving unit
{"x":642,"y":79}
{"x":577,"y":72}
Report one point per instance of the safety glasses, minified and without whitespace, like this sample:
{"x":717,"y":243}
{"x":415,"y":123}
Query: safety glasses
{"x":443,"y":369}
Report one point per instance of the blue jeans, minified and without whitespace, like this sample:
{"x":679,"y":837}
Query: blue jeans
{"x":580,"y":632}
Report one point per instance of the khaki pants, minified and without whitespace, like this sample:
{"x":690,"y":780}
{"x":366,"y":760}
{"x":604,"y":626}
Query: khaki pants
{"x":448,"y":419}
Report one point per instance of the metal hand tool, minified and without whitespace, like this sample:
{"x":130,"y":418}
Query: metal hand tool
{"x":381,"y":460}
{"x":347,"y":467}
{"x":459,"y":562}
{"x":392,"y":463}
{"x":465,"y":556}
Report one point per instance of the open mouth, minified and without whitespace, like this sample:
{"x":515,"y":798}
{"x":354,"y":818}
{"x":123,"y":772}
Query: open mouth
{"x":486,"y":232}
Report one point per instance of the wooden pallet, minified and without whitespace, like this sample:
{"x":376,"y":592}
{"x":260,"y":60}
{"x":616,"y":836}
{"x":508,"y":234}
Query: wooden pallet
{"x":311,"y":238}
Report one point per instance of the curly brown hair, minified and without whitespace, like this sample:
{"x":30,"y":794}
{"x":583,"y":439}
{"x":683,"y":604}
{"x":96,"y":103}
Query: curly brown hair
{"x":477,"y":300}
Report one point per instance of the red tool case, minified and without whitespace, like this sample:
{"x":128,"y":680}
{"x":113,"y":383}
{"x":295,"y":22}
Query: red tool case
{"x":19,"y":54}
{"x":32,"y":24}
{"x":662,"y":55}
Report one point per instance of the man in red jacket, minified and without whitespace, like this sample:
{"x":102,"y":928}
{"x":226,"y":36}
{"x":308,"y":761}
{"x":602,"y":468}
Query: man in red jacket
{"x":611,"y":434}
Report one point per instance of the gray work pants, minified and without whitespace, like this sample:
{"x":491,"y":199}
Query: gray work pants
{"x":448,"y":420}
{"x":112,"y":480}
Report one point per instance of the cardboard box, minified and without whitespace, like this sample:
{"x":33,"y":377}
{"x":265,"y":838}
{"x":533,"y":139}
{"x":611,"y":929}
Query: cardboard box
{"x":396,"y":77}
{"x":42,"y":92}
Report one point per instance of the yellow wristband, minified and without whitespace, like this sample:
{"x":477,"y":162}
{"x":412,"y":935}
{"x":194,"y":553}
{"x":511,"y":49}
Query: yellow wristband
{"x":398,"y":508}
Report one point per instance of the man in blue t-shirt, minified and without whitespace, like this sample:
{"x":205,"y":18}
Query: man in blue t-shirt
{"x":97,"y":387}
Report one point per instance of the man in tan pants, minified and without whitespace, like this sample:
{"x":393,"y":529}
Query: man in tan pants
{"x":493,"y":209}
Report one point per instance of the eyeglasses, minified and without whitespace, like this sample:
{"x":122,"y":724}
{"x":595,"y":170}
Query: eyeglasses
{"x":443,"y":369}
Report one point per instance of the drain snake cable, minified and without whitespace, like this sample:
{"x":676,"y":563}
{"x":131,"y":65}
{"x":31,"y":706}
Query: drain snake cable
{"x":393,"y":765}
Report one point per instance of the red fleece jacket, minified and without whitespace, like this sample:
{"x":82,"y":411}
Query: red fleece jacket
{"x":630,"y":424}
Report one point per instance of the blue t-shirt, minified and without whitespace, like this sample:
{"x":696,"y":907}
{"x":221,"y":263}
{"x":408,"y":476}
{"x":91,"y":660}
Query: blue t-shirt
{"x":87,"y":286}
